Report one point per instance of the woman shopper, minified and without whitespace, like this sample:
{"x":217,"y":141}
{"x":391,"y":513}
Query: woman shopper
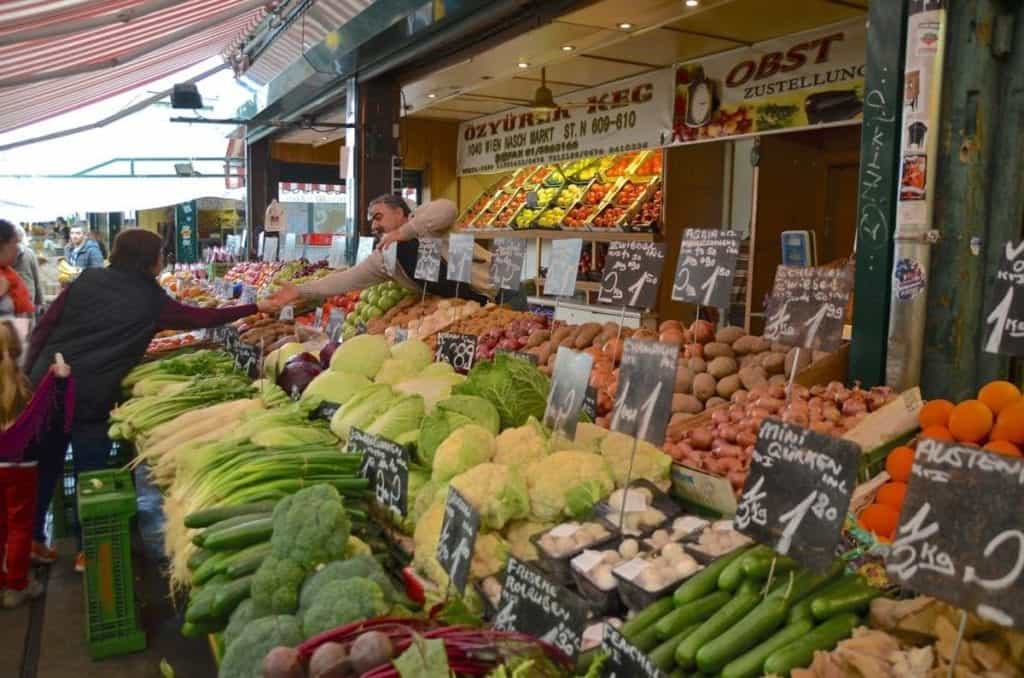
{"x":27,"y":267}
{"x":15,"y":298}
{"x":24,"y":415}
{"x":103,"y":323}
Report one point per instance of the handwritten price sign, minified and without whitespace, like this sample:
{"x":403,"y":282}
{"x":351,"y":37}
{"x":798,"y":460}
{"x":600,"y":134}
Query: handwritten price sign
{"x":706,"y":267}
{"x":808,"y":306}
{"x":458,"y":538}
{"x":1006,"y":304}
{"x":532,"y":604}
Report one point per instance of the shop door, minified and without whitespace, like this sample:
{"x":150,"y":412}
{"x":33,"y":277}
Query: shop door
{"x":840,"y":213}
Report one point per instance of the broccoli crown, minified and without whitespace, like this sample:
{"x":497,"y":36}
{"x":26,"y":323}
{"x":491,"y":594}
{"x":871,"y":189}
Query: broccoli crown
{"x":343,"y":602}
{"x":240,"y":618}
{"x":244,"y":657}
{"x":311,"y":526}
{"x":359,"y":566}
{"x":275,"y":586}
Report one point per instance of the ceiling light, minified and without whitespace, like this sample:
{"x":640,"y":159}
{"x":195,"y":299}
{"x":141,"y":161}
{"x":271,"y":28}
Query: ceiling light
{"x":625,"y":25}
{"x":692,"y":3}
{"x":431,"y":96}
{"x":567,"y":48}
{"x":523,"y":64}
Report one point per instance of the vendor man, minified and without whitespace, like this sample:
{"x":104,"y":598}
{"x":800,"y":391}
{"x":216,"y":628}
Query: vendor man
{"x":395,"y":225}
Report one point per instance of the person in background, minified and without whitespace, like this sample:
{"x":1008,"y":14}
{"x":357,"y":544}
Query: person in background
{"x":95,"y":237}
{"x":27,"y":266}
{"x":24,"y":414}
{"x":102,"y":324}
{"x":62,"y":230}
{"x":81,"y":251}
{"x":15,"y":298}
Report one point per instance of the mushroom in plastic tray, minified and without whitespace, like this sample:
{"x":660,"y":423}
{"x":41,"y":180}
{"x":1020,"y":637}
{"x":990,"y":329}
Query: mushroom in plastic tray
{"x":490,"y":590}
{"x":594,"y":633}
{"x":562,"y":542}
{"x":597,"y":565}
{"x":717,"y":539}
{"x":644,"y":579}
{"x":638,"y":509}
{"x":682,"y":528}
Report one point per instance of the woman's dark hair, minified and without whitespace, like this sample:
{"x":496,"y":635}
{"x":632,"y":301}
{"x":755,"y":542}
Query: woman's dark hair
{"x":393,"y":201}
{"x":7,"y":232}
{"x":136,"y":250}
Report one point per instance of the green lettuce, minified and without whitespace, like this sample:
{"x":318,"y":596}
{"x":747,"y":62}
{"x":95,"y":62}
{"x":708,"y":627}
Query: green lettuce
{"x":480,"y":410}
{"x":402,"y":415}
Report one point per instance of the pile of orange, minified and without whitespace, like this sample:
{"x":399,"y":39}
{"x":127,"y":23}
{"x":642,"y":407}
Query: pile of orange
{"x":994,"y":420}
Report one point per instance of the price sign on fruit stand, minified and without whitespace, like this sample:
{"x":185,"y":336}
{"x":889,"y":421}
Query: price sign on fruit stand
{"x":460,"y":257}
{"x":428,"y":260}
{"x":230,"y":339}
{"x":335,"y":321}
{"x":590,"y":403}
{"x":269,"y":250}
{"x":798,"y":492}
{"x":248,"y":295}
{"x":248,"y":359}
{"x":632,"y":271}
{"x":706,"y":267}
{"x":339,"y":247}
{"x":458,"y":350}
{"x":960,"y":536}
{"x":532,"y":604}
{"x":1005,"y":306}
{"x":808,"y":306}
{"x":643,"y":399}
{"x":507,"y":263}
{"x":291,"y":247}
{"x":624,"y":659}
{"x":287,"y":313}
{"x":568,"y":390}
{"x":563,"y":267}
{"x":386,"y":466}
{"x":458,"y":538}
{"x":365,"y":249}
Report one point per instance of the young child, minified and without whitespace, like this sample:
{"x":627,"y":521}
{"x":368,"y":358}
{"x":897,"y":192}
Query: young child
{"x":23,"y":416}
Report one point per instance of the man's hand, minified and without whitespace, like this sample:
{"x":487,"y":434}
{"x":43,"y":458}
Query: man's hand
{"x":388,"y":239}
{"x":287,"y":294}
{"x":60,"y":369}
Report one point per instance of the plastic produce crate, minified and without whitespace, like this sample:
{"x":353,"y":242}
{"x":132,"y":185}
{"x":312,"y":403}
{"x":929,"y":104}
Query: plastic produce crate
{"x":65,"y":512}
{"x":106,"y":504}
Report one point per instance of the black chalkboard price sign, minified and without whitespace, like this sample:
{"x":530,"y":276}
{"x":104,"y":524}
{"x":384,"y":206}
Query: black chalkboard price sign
{"x":458,"y":538}
{"x":706,"y":267}
{"x":798,"y":492}
{"x":632,"y":271}
{"x":460,"y":257}
{"x":386,"y":466}
{"x":327,"y":409}
{"x":624,"y":659}
{"x":590,"y":403}
{"x":960,"y":536}
{"x":230,"y":339}
{"x":248,"y":359}
{"x":807,"y":307}
{"x":428,"y":260}
{"x":458,"y":350}
{"x":643,"y":399}
{"x":507,"y":263}
{"x":532,"y":604}
{"x":568,"y":391}
{"x":335,"y":321}
{"x":1005,"y":306}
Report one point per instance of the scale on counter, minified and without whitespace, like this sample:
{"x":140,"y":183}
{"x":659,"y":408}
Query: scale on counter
{"x":799,"y":248}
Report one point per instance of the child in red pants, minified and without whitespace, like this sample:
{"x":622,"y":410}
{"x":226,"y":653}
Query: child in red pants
{"x":23,"y":416}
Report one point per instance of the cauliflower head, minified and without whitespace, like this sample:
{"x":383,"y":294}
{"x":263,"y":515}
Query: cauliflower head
{"x":342,"y":602}
{"x":588,"y":438}
{"x":497,"y":492}
{"x":311,"y":527}
{"x":650,"y":464}
{"x":275,"y":586}
{"x":490,"y":553}
{"x":567,"y":484}
{"x":518,"y":535}
{"x":522,"y":445}
{"x":462,"y":450}
{"x":244,"y":657}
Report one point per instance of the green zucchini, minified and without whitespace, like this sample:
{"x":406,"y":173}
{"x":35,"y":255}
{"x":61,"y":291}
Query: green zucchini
{"x":719,"y":623}
{"x":806,"y":582}
{"x":691,"y":613}
{"x":751,"y":663}
{"x":800,"y":653}
{"x":646,"y":640}
{"x":198,"y":630}
{"x":706,"y":581}
{"x":647,"y":617}
{"x":211,"y":516}
{"x":209,"y":568}
{"x":240,"y":536}
{"x":227,"y":597}
{"x":200,"y":539}
{"x":732,"y":576}
{"x":758,"y":566}
{"x":664,"y":656}
{"x":801,"y":611}
{"x":853,"y":599}
{"x":759,"y":624}
{"x":200,"y":608}
{"x":246,"y":561}
{"x":198,"y":558}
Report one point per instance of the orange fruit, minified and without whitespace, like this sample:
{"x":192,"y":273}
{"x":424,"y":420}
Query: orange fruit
{"x":937,"y":433}
{"x":1003,"y":447}
{"x":880,"y":519}
{"x":892,"y":494}
{"x":935,"y":413}
{"x":970,"y":421}
{"x":998,"y":394}
{"x":899,"y":462}
{"x":1010,"y":424}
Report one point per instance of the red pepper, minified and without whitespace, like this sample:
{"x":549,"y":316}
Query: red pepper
{"x":413,"y":586}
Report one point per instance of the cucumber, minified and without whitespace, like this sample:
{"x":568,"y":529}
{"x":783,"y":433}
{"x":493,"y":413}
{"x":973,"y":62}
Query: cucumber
{"x":209,"y":568}
{"x":646,"y":617}
{"x":211,"y":516}
{"x":801,"y":652}
{"x":200,"y":608}
{"x":664,"y":656}
{"x":759,"y":624}
{"x":806,"y":582}
{"x":720,"y":622}
{"x":758,"y":566}
{"x":732,"y":576}
{"x":240,"y":536}
{"x":854,"y":599}
{"x":801,"y":611}
{"x":246,"y":561}
{"x":706,"y":581}
{"x":751,"y":664}
{"x":646,"y":640}
{"x":227,"y":597}
{"x":691,"y":613}
{"x":198,"y":558}
{"x":200,"y":537}
{"x":190,"y":630}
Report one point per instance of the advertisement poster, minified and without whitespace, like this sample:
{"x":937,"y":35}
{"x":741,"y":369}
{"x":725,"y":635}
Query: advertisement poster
{"x":187,"y":242}
{"x":809,"y":79}
{"x":626,"y":115}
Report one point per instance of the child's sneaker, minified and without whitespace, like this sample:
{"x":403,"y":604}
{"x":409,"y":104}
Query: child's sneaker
{"x":80,"y":563}
{"x":43,"y":554}
{"x":13,"y":599}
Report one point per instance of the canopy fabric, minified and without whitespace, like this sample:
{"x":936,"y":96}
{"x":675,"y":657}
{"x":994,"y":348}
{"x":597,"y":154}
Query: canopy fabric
{"x":59,"y":55}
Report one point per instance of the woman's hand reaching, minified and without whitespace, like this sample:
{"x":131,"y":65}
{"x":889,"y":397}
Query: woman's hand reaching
{"x":60,"y":368}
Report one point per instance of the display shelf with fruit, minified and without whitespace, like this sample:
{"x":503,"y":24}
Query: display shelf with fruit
{"x":478,"y":206}
{"x":507,"y":216}
{"x":374,"y":302}
{"x":622,"y":165}
{"x":650,"y":164}
{"x":648,"y":212}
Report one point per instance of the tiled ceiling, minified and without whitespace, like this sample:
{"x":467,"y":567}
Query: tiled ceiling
{"x":662,"y":32}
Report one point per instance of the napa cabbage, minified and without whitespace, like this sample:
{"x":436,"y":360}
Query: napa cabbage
{"x":363,"y":354}
{"x":413,"y":352}
{"x":361,"y":409}
{"x":335,"y":387}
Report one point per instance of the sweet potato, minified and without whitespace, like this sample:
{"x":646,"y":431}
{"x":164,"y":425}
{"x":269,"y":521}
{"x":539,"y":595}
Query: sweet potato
{"x":774,"y":363}
{"x":538,"y":337}
{"x":750,"y":344}
{"x":778,"y":379}
{"x":561,"y":333}
{"x":752,"y":376}
{"x":776,"y":347}
{"x":544,"y":352}
{"x":728,"y":385}
{"x":729,"y":335}
{"x":586,"y":334}
{"x":704,"y":386}
{"x":703,"y":331}
{"x":687,"y":404}
{"x":722,"y":367}
{"x":684,"y":379}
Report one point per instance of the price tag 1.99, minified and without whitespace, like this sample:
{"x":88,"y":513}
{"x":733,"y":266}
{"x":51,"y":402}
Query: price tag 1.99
{"x":808,"y":306}
{"x":706,"y":266}
{"x":386,"y":466}
{"x":960,"y":537}
{"x":458,"y":350}
{"x":563,"y":267}
{"x":458,"y":538}
{"x":643,"y":399}
{"x":568,"y":390}
{"x":532,"y":604}
{"x":507,"y":263}
{"x":798,"y":492}
{"x":1005,"y":306}
{"x":624,"y":659}
{"x":632,"y":271}
{"x":460,"y":257}
{"x":428,"y":260}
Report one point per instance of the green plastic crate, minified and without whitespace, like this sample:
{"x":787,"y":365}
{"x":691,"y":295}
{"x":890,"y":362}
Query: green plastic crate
{"x":106,"y":504}
{"x":65,"y":511}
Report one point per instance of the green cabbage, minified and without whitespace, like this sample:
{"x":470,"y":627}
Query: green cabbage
{"x":515,"y":387}
{"x":433,"y":431}
{"x":361,"y":409}
{"x":401,"y":416}
{"x":363,"y":354}
{"x":335,"y":387}
{"x":480,"y":410}
{"x":462,"y":450}
{"x":414,"y":352}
